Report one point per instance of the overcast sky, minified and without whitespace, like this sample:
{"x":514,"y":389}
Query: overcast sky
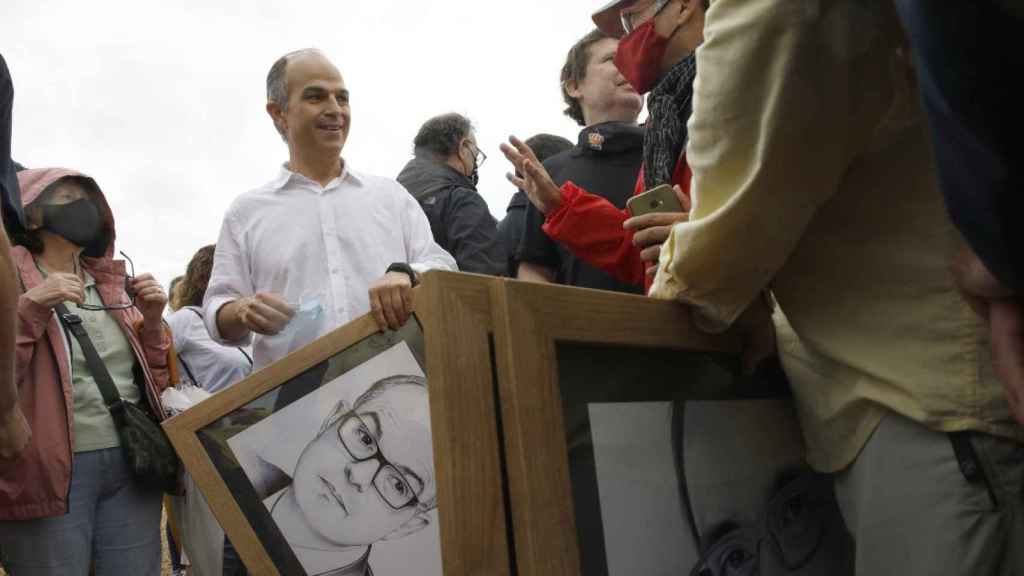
{"x":163,"y":101}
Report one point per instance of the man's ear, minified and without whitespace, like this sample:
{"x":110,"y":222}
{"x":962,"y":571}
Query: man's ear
{"x":277,"y":116}
{"x":572,"y":89}
{"x":412,"y":526}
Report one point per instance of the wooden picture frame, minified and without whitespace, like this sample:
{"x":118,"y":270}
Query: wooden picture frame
{"x":541,"y":323}
{"x":455,"y":313}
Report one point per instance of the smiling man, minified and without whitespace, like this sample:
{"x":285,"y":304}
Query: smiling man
{"x":367,"y":476}
{"x":320,"y":244}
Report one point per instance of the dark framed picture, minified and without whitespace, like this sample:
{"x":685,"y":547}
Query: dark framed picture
{"x":338,"y":459}
{"x":633,"y":440}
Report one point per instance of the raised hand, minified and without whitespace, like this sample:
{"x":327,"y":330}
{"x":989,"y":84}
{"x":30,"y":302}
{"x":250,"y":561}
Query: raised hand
{"x":531,"y":177}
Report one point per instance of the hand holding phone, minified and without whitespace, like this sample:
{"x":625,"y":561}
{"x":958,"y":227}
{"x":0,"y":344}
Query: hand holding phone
{"x":654,"y":213}
{"x":661,"y":198}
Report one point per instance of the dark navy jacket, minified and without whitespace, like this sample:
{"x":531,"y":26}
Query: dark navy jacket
{"x":459,"y":217}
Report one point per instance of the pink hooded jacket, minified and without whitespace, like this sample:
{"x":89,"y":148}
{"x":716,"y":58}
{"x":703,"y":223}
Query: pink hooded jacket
{"x":37,"y":484}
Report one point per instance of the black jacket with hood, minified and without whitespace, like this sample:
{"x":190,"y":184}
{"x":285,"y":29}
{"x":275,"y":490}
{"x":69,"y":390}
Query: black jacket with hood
{"x":459,"y":217}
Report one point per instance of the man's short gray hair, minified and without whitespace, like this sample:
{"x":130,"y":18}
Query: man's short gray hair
{"x":277,"y":82}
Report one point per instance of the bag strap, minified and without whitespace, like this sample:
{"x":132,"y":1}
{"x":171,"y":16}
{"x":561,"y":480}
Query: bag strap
{"x":239,"y":348}
{"x":73,"y":323}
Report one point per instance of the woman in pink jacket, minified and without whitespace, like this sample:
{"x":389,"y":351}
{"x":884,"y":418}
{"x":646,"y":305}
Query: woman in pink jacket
{"x":70,"y":501}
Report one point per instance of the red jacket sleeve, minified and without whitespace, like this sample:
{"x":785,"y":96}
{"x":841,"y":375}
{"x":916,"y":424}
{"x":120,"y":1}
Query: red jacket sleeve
{"x":590,"y":227}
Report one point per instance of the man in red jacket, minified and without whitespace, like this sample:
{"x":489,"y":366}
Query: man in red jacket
{"x":655,"y":54}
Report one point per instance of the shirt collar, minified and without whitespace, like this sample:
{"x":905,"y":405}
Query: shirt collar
{"x":286,"y":176}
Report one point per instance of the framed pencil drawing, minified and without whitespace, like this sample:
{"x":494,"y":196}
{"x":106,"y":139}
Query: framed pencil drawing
{"x":345,"y":457}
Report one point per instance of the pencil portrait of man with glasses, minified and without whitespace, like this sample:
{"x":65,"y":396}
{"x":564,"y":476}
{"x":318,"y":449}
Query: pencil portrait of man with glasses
{"x":366,"y":477}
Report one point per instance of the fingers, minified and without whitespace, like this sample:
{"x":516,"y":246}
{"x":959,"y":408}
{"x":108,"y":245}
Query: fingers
{"x":513,"y":156}
{"x":523,"y":149}
{"x":377,"y":309}
{"x":655,"y":219}
{"x":684,"y":200}
{"x":152,"y":295}
{"x":516,"y":180}
{"x":266,"y":313}
{"x":651,"y":236}
{"x":391,"y":300}
{"x":387,"y":300}
{"x":544,"y":194}
{"x":276,"y":303}
{"x":1006,"y":323}
{"x":71,"y":295}
{"x":70,"y":288}
{"x":407,"y":300}
{"x":651,"y":253}
{"x":257,"y":322}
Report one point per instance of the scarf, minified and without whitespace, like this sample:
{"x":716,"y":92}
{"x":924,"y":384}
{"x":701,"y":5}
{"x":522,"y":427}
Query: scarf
{"x":670,"y":105}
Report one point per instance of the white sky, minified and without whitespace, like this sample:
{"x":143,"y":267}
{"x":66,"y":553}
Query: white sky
{"x":163,"y":101}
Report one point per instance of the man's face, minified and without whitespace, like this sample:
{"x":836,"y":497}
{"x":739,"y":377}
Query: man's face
{"x":468,"y":154}
{"x":604,"y":90}
{"x":318,"y":116}
{"x":336,"y":491}
{"x":65,"y":192}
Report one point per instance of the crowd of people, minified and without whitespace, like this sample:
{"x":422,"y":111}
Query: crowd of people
{"x":848,"y":190}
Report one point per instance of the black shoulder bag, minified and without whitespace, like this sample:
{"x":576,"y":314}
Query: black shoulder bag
{"x":144,"y":444}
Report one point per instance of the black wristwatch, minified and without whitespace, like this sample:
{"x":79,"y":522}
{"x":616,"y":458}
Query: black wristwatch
{"x":405,"y":269}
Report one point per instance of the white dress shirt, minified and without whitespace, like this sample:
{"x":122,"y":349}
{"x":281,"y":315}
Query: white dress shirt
{"x":211,"y":366}
{"x":316,"y":245}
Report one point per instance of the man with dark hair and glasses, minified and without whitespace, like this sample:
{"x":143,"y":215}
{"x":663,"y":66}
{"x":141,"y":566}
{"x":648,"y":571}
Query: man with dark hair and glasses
{"x":443,"y":177}
{"x":367,"y":476}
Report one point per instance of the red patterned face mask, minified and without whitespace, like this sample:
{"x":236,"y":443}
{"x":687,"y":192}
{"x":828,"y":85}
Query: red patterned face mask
{"x":639,"y":57}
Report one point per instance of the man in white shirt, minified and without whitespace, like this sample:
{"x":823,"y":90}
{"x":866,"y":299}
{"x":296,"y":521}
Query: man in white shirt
{"x":320,"y":244}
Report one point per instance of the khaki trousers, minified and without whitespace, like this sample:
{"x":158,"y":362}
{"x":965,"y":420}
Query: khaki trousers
{"x":925,"y":503}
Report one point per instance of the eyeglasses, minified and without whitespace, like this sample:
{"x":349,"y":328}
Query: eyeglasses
{"x":634,"y":16}
{"x":389,"y":483}
{"x":127,"y":288}
{"x":478,"y":155}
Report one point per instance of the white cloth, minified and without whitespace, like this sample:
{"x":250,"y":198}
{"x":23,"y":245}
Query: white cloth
{"x":214,"y":365}
{"x":312,"y":243}
{"x":201,"y":535}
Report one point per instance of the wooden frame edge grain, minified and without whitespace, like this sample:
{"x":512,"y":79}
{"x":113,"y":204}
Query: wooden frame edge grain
{"x":532,"y":318}
{"x":457,"y":330}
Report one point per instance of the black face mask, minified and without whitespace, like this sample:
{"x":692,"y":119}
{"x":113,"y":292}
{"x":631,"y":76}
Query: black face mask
{"x":77,"y":222}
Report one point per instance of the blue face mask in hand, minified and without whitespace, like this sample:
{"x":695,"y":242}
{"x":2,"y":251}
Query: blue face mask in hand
{"x":304,"y":327}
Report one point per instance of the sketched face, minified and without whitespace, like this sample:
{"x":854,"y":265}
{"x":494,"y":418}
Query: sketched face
{"x":365,"y":476}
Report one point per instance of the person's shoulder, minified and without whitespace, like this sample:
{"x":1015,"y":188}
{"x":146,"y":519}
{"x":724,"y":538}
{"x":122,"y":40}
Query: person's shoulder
{"x":558,"y":161}
{"x":519,"y":201}
{"x":378,"y":183}
{"x":181,"y":322}
{"x":184,"y":316}
{"x":252,"y":198}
